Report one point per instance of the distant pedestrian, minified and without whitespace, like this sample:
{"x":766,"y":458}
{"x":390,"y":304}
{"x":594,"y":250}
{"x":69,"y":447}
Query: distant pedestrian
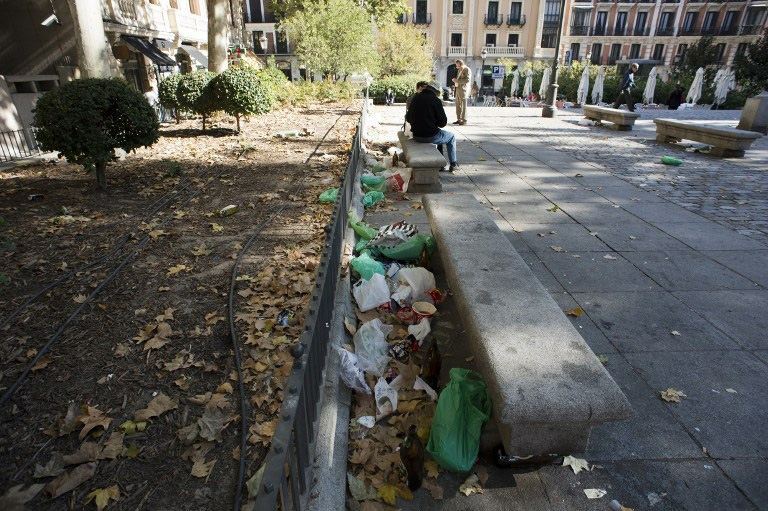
{"x":426,"y":116}
{"x":473,"y":93}
{"x":625,"y":91}
{"x":463,"y":80}
{"x":389,"y":97}
{"x":676,"y":97}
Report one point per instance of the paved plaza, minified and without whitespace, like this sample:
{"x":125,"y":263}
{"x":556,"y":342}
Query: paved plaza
{"x":669,"y":265}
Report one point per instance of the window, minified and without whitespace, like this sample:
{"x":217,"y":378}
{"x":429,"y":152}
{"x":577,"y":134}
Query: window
{"x":640,"y":20}
{"x":658,"y":52}
{"x":456,"y":39}
{"x":615,"y":53}
{"x":621,"y":23}
{"x":597,"y":50}
{"x":710,"y":20}
{"x":741,"y":49}
{"x":729,"y":22}
{"x":257,"y":48}
{"x":421,"y":11}
{"x":194,"y":7}
{"x":458,"y":7}
{"x":575,"y":47}
{"x":720,"y":52}
{"x":282,"y":43}
{"x":665,"y":23}
{"x":634,"y":51}
{"x":600,"y":20}
{"x":690,"y":22}
{"x":490,"y":39}
{"x":487,"y":80}
{"x":515,"y":11}
{"x":513,"y":40}
{"x":552,"y":13}
{"x":580,"y":18}
{"x":493,"y":11}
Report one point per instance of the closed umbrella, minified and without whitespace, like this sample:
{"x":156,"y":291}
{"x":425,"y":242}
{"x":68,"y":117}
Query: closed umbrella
{"x":583,"y":92}
{"x":597,"y":88}
{"x":515,"y":83}
{"x":694,"y":93}
{"x":528,"y":85}
{"x":650,"y":86}
{"x":725,"y":82}
{"x":545,"y":82}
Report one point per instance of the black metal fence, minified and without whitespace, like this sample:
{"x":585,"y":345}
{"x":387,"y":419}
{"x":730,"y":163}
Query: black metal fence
{"x":287,"y":471}
{"x":17,"y":144}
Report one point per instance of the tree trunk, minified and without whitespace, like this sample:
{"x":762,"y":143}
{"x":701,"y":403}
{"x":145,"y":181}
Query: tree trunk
{"x":218,"y":35}
{"x":203,"y":122}
{"x":237,"y":116}
{"x":176,"y":115}
{"x":92,"y":51}
{"x":101,"y":175}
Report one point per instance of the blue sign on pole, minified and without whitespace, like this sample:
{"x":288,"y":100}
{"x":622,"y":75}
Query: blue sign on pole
{"x":498,"y":72}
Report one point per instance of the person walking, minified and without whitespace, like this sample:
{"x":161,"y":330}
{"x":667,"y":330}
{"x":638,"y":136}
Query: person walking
{"x":625,"y":91}
{"x":426,"y":116}
{"x":463,"y":80}
{"x":389,"y":97}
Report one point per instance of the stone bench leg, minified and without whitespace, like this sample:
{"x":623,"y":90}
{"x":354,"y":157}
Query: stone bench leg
{"x":425,"y":180}
{"x":726,"y":153}
{"x":621,"y":127}
{"x":661,"y":137}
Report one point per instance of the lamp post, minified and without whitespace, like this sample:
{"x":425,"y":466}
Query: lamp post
{"x":550,"y":110}
{"x":483,"y":55}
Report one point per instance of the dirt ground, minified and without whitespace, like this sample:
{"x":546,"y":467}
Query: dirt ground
{"x":137,"y":403}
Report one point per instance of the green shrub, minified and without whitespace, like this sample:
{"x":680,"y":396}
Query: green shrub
{"x":86,"y":120}
{"x":276,"y":80}
{"x":168,"y":93}
{"x":402,"y":86}
{"x":240,"y":91}
{"x":195,"y":95}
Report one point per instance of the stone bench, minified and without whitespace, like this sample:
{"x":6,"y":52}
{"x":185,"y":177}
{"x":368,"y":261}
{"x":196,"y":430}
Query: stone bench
{"x":426,"y":162}
{"x":622,"y":120}
{"x":724,"y":141}
{"x":548,"y":387}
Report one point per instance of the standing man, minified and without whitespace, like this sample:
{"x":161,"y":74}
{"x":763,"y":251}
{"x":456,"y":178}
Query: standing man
{"x":463,"y":80}
{"x":625,"y":92}
{"x":426,"y":116}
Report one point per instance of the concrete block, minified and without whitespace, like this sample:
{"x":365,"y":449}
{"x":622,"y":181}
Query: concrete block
{"x":621,"y":120}
{"x":724,"y":141}
{"x":548,"y":388}
{"x":425,"y":176}
{"x":754,"y":115}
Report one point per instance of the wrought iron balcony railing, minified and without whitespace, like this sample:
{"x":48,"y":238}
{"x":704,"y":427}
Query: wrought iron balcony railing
{"x":422,"y":19}
{"x":491,"y":19}
{"x":515,"y":20}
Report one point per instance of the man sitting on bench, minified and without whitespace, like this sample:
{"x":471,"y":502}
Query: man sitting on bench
{"x":426,"y":116}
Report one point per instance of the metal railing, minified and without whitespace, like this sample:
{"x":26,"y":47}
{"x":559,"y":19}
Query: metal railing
{"x":287,"y":468}
{"x":15,"y":145}
{"x":457,"y":51}
{"x":515,"y":20}
{"x":491,"y":19}
{"x":421,"y":19}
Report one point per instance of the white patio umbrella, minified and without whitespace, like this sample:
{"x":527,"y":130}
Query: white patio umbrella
{"x":725,"y":82}
{"x":545,"y":82}
{"x":515,"y":83}
{"x":583,"y":92}
{"x":650,"y":86}
{"x":694,"y":93}
{"x":528,"y":85}
{"x":597,"y":88}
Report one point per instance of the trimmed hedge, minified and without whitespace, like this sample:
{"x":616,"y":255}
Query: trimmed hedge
{"x":402,"y":86}
{"x":240,"y":91}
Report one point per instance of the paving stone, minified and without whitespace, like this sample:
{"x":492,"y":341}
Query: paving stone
{"x":762,"y":355}
{"x":568,"y":237}
{"x":654,"y":213}
{"x":709,"y":236}
{"x":740,"y":314}
{"x":753,"y":264}
{"x":591,"y":271}
{"x":539,"y":212}
{"x":750,"y":476}
{"x":591,"y":214}
{"x":542,"y":273}
{"x":634,"y":236}
{"x":687,"y":271}
{"x":727,"y":424}
{"x":589,"y":331}
{"x":640,"y":322}
{"x":571,"y":194}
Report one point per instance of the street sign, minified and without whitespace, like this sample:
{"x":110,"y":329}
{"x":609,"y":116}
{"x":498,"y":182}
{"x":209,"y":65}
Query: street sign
{"x":498,"y":72}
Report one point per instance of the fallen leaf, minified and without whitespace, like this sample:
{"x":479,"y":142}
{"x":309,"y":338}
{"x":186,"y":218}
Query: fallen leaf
{"x":672,"y":395}
{"x":595,"y":493}
{"x":359,"y":490}
{"x":556,"y":248}
{"x":216,"y":227}
{"x":200,"y":250}
{"x":158,"y":406}
{"x":224,"y":388}
{"x":54,"y":467}
{"x":731,"y":391}
{"x":121,"y":350}
{"x":174,"y":270}
{"x":576,"y":464}
{"x":102,"y":496}
{"x":575,"y":312}
{"x":432,"y":468}
{"x":211,"y":424}
{"x":70,"y":480}
{"x":42,"y":363}
{"x":92,"y":418}
{"x":201,"y":468}
{"x":434,"y":489}
{"x":130,"y":427}
{"x":88,"y":451}
{"x":350,"y":326}
{"x":113,"y":447}
{"x":254,"y":482}
{"x":15,"y":498}
{"x":156,"y":233}
{"x":471,"y":485}
{"x":609,"y":256}
{"x":675,"y":332}
{"x":603,"y":359}
{"x":553,"y":208}
{"x":388,"y":493}
{"x":80,"y":299}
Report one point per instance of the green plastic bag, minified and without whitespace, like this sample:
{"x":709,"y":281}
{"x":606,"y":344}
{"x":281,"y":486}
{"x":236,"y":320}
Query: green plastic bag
{"x":378,"y":168}
{"x":671,"y":160}
{"x":462,"y":409}
{"x":409,"y":250}
{"x":362,"y":229}
{"x":329,"y":196}
{"x":375,"y":183}
{"x":372,"y":198}
{"x":360,"y":245}
{"x":366,"y":266}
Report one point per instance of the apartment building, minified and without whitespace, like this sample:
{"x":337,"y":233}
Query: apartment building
{"x":658,"y":31}
{"x":265,"y":40}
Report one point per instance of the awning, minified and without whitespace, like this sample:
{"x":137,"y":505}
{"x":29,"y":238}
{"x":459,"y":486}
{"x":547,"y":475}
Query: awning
{"x":149,"y":50}
{"x":196,"y":55}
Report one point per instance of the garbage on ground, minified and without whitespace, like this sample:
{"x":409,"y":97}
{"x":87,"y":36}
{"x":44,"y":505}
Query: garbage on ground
{"x":420,"y":330}
{"x":471,"y":485}
{"x":362,"y":229}
{"x":412,"y":457}
{"x":371,"y":293}
{"x":368,"y":421}
{"x":228,"y":210}
{"x":371,"y":346}
{"x":366,"y":266}
{"x":671,"y":160}
{"x":284,"y":317}
{"x":420,"y":280}
{"x":393,"y":234}
{"x":386,"y":398}
{"x":462,"y":409}
{"x":329,"y":196}
{"x":372,"y":198}
{"x":351,"y":373}
{"x":373,"y":182}
{"x":418,"y":384}
{"x":595,"y":493}
{"x":423,"y":310}
{"x":410,"y":250}
{"x":586,"y":122}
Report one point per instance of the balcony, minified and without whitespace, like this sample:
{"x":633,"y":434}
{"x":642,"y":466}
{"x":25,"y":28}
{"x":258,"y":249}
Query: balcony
{"x":732,"y":30}
{"x":619,"y":31}
{"x":551,"y":20}
{"x":457,"y":51}
{"x":190,"y":27}
{"x":422,"y":19}
{"x":598,"y":30}
{"x":639,"y":32}
{"x":515,"y":20}
{"x":504,"y":51}
{"x":709,"y":31}
{"x":580,"y":30}
{"x":493,"y":19}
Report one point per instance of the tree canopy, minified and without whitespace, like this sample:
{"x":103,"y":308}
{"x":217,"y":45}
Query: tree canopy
{"x":702,"y":53}
{"x":404,"y":50}
{"x":383,"y":10}
{"x":752,"y":65}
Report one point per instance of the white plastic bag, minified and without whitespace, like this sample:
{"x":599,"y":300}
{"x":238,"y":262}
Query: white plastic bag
{"x":420,"y":280}
{"x":420,"y":330}
{"x":351,"y":373}
{"x":403,"y":295}
{"x":371,"y":346}
{"x":386,"y":398}
{"x":369,"y":294}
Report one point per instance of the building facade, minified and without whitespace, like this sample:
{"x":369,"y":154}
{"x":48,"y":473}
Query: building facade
{"x":658,"y":31}
{"x":265,"y":40}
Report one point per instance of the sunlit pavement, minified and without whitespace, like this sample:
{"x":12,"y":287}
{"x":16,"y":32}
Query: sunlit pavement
{"x":669,"y":265}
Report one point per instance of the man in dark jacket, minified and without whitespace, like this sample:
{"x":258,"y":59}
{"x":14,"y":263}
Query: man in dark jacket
{"x":426,"y":116}
{"x":625,"y":91}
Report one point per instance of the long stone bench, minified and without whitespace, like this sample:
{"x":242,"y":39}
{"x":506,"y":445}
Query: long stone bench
{"x":548,"y":387}
{"x":426,"y":162}
{"x":621,"y":120}
{"x":724,"y":141}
